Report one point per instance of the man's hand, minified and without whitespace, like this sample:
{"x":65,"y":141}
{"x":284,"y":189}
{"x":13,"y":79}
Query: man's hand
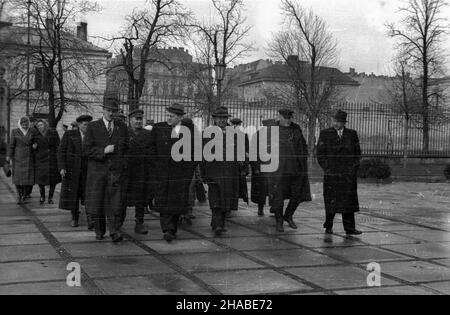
{"x":109,"y":149}
{"x":8,"y":159}
{"x":35,"y":146}
{"x":63,"y":173}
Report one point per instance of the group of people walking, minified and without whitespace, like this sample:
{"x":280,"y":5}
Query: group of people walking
{"x":109,"y":165}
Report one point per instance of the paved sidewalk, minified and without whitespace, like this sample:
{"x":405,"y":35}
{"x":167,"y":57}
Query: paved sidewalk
{"x":406,"y":225}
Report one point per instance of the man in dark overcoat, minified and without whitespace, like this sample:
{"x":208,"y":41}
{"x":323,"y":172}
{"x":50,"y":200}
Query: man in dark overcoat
{"x":290,"y":180}
{"x":222,"y":176}
{"x":106,"y":146}
{"x":72,"y":165}
{"x":243,"y":167}
{"x":173,"y":177}
{"x":139,"y":168}
{"x":339,"y":154}
{"x":259,"y":181}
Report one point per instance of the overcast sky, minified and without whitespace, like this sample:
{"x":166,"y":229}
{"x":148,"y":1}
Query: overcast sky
{"x":358,"y":25}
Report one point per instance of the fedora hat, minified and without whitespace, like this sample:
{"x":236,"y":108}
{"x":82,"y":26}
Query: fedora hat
{"x":221,"y":112}
{"x":340,"y":116}
{"x":177,"y":109}
{"x":111,"y":101}
{"x":285,"y":112}
{"x":84,"y":118}
{"x":236,"y":121}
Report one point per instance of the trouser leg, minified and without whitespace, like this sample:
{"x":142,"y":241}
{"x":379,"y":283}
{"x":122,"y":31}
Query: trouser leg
{"x":291,"y":208}
{"x":218,"y":218}
{"x":348,"y":220}
{"x":100,"y":225}
{"x":42,"y":191}
{"x":75,"y":214}
{"x":169,"y":223}
{"x":139,"y":214}
{"x":329,"y":221}
{"x":51,"y":192}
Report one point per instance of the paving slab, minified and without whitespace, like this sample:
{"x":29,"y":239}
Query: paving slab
{"x":104,"y":249}
{"x":27,"y":252}
{"x":256,"y":243}
{"x":361,"y":254}
{"x":385,"y":238}
{"x":32,"y":271}
{"x":293,"y":258}
{"x":18,"y":228}
{"x":429,"y":236}
{"x":42,"y":288}
{"x":321,"y":240}
{"x":423,"y":251}
{"x":105,"y":267}
{"x":416,"y":271}
{"x":154,"y":285}
{"x":442,"y":287}
{"x":183,"y":246}
{"x":22,"y":239}
{"x":403,"y":290}
{"x":213,"y":262}
{"x":337,"y":277}
{"x":252,"y":282}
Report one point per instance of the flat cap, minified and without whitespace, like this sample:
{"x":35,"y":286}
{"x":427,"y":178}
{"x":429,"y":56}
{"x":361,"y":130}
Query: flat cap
{"x":138,"y":113}
{"x":285,"y":112}
{"x":84,"y":118}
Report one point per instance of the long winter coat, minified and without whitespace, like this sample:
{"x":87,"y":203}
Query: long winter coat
{"x":21,"y":153}
{"x":46,"y":158}
{"x":339,"y":158}
{"x":223,"y":179}
{"x":296,"y":140}
{"x":71,"y":159}
{"x":139,"y":168}
{"x":172,"y":178}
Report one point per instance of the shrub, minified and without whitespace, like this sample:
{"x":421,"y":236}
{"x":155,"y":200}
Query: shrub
{"x":447,"y":172}
{"x":374,"y":168}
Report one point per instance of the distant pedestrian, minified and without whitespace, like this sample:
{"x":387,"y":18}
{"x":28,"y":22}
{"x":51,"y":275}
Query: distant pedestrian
{"x":339,"y":154}
{"x":46,"y":160}
{"x":20,"y":153}
{"x":139,"y":169}
{"x":106,"y":146}
{"x":74,"y":125}
{"x":72,"y":163}
{"x":172,"y":177}
{"x":291,"y":180}
{"x":65,"y":128}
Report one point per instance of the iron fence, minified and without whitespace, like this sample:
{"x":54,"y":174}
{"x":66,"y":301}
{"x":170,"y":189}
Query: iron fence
{"x":381,"y":129}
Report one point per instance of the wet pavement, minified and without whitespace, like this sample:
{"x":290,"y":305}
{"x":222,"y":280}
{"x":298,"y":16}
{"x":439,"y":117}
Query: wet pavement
{"x":406,"y":225}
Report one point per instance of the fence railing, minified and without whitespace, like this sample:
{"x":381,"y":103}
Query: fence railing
{"x":383,"y":131}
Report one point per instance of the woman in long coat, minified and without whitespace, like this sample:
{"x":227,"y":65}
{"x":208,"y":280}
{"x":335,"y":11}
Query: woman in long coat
{"x":21,"y":155}
{"x":46,"y":160}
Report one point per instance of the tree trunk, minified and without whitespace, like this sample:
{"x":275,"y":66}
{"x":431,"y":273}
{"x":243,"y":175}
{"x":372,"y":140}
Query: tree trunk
{"x":425,"y":108}
{"x":311,"y":141}
{"x":405,"y":141}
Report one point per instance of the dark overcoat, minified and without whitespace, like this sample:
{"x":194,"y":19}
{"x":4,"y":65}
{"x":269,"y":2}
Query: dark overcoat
{"x":46,"y":158}
{"x":72,"y":160}
{"x":302,"y":190}
{"x":259,"y":181}
{"x":172,"y":178}
{"x":139,"y":168}
{"x":111,"y":168}
{"x":223,"y":179}
{"x":21,"y":154}
{"x":339,"y":158}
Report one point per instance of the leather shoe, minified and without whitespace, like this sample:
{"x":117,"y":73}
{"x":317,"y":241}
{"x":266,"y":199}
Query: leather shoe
{"x":354,"y":232}
{"x":219,"y":231}
{"x":75,"y":223}
{"x":100,"y":237}
{"x":291,"y":222}
{"x":117,"y":238}
{"x":280,"y":227}
{"x":329,"y":231}
{"x":261,"y":211}
{"x":169,"y":237}
{"x":140,"y":228}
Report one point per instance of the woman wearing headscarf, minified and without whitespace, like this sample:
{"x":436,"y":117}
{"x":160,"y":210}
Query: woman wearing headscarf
{"x":46,"y":160}
{"x":20,"y":153}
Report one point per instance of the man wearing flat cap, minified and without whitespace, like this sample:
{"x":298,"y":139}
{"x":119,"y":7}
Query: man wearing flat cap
{"x":173,"y":177}
{"x":339,"y":154}
{"x":290,"y":181}
{"x":139,"y":168}
{"x":72,"y":165}
{"x":106,"y":145}
{"x":222,"y":177}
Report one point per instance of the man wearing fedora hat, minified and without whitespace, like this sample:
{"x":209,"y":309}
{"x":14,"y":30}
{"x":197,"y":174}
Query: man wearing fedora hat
{"x":173,"y":177}
{"x":139,"y":168}
{"x":290,"y":181}
{"x":339,"y":154}
{"x":222,"y":177}
{"x":73,"y":165}
{"x":106,"y":146}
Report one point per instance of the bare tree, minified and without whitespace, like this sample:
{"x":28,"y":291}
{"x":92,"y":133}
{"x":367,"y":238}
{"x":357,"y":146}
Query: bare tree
{"x":308,"y":48}
{"x":146,"y":30}
{"x":420,"y":35}
{"x":221,"y":40}
{"x":62,"y":58}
